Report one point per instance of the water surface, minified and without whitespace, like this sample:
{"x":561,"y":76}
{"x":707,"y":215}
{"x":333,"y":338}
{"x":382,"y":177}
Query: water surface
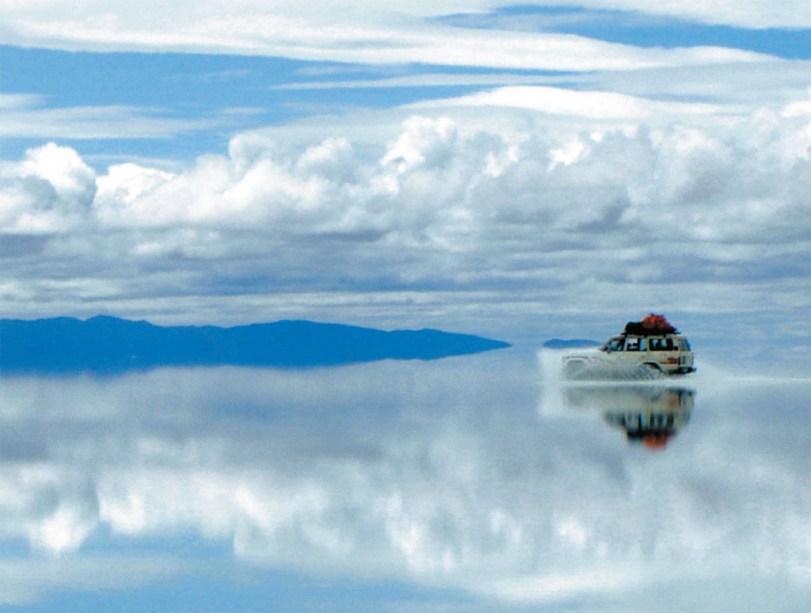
{"x":468,"y":483}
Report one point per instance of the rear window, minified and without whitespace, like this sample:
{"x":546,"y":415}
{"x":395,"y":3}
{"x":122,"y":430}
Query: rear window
{"x":661,"y":344}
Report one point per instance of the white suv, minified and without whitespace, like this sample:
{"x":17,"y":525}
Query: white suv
{"x":670,"y":353}
{"x":646,"y":350}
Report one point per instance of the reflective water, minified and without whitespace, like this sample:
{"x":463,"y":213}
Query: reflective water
{"x":468,"y":483}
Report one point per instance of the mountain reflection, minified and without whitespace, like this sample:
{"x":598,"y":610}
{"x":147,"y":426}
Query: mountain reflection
{"x":648,"y":414}
{"x":442,"y":475}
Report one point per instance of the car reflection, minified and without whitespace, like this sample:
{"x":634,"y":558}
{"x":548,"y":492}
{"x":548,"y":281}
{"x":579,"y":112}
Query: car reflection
{"x":649,"y":415}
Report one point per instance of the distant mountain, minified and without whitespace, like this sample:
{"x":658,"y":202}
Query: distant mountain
{"x":109,"y":344}
{"x":574,"y":343}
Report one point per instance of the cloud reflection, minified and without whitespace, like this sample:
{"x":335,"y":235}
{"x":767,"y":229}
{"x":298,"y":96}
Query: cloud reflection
{"x":442,"y":475}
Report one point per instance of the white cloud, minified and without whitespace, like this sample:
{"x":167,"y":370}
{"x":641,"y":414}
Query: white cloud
{"x":22,"y":116}
{"x":749,"y":13}
{"x":17,"y":101}
{"x":249,"y":23}
{"x":423,"y":80}
{"x":49,"y":191}
{"x":62,"y":167}
{"x":591,"y":105}
{"x":597,"y":195}
{"x":332,"y":32}
{"x":125,"y":183}
{"x":734,"y":89}
{"x":738,"y":87}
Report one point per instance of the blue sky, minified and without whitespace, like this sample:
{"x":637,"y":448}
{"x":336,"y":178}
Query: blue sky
{"x":466,"y":165}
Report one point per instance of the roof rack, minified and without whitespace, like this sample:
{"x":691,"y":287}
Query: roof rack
{"x":651,"y":325}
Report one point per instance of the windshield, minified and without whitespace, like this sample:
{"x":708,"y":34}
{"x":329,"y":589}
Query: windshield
{"x":614,"y":344}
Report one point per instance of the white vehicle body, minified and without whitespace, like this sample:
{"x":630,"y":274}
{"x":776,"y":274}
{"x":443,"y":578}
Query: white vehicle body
{"x":648,"y":355}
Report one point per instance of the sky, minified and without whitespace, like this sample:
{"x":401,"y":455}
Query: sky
{"x":511,"y":169}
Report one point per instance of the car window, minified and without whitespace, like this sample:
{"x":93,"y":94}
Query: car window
{"x":661,"y":344}
{"x":615,"y":344}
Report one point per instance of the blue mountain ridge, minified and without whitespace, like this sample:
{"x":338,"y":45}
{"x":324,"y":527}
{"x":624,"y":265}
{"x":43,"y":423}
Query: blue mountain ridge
{"x":110,"y":344}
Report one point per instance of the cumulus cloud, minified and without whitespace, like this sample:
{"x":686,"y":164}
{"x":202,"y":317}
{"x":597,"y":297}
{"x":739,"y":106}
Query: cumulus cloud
{"x":585,"y":199}
{"x":50,"y":191}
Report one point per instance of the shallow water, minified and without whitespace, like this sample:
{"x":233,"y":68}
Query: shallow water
{"x":474,"y":483}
